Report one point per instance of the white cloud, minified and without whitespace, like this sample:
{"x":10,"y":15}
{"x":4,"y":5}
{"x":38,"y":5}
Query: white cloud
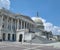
{"x":56,"y":30}
{"x":5,"y":4}
{"x":50,"y":27}
{"x":59,"y":30}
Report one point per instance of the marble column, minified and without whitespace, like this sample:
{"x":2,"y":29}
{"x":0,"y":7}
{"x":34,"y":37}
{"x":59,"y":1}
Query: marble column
{"x":1,"y":21}
{"x":11,"y":24}
{"x":21,"y":24}
{"x":1,"y":37}
{"x":7,"y":23}
{"x":11,"y":37}
{"x":6,"y":36}
{"x":17,"y":24}
{"x":29,"y":26}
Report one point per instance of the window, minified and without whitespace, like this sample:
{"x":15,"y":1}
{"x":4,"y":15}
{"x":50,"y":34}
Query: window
{"x":13,"y":27}
{"x":3,"y":26}
{"x":19,"y":24}
{"x":9,"y":26}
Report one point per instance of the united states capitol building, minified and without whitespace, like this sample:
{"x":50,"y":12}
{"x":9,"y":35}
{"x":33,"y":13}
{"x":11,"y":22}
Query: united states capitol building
{"x":21,"y":28}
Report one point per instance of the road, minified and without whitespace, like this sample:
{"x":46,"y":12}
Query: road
{"x":19,"y":46}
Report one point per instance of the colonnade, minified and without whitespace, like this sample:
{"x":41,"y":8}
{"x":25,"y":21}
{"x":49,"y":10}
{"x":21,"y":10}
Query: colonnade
{"x":13,"y":24}
{"x":23,"y":25}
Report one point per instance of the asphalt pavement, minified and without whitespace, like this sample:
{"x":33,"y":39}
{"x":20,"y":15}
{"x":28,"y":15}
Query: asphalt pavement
{"x":26,"y":46}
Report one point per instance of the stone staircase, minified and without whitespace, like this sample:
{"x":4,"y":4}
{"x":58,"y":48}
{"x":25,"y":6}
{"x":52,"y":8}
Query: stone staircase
{"x":41,"y":40}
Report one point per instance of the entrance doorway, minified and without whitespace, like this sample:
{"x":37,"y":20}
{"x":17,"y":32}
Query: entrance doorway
{"x":13,"y":38}
{"x":8,"y":36}
{"x":3,"y":36}
{"x":20,"y":38}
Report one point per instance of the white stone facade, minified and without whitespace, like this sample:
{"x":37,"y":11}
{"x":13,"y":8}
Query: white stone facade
{"x":13,"y":27}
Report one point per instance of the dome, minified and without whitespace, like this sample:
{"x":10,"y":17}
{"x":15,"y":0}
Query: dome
{"x":37,"y":20}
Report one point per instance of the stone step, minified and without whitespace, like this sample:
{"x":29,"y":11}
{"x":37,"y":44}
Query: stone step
{"x":39,"y":39}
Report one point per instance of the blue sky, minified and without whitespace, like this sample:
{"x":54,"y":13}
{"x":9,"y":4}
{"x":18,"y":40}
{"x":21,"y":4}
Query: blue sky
{"x":48,"y":9}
